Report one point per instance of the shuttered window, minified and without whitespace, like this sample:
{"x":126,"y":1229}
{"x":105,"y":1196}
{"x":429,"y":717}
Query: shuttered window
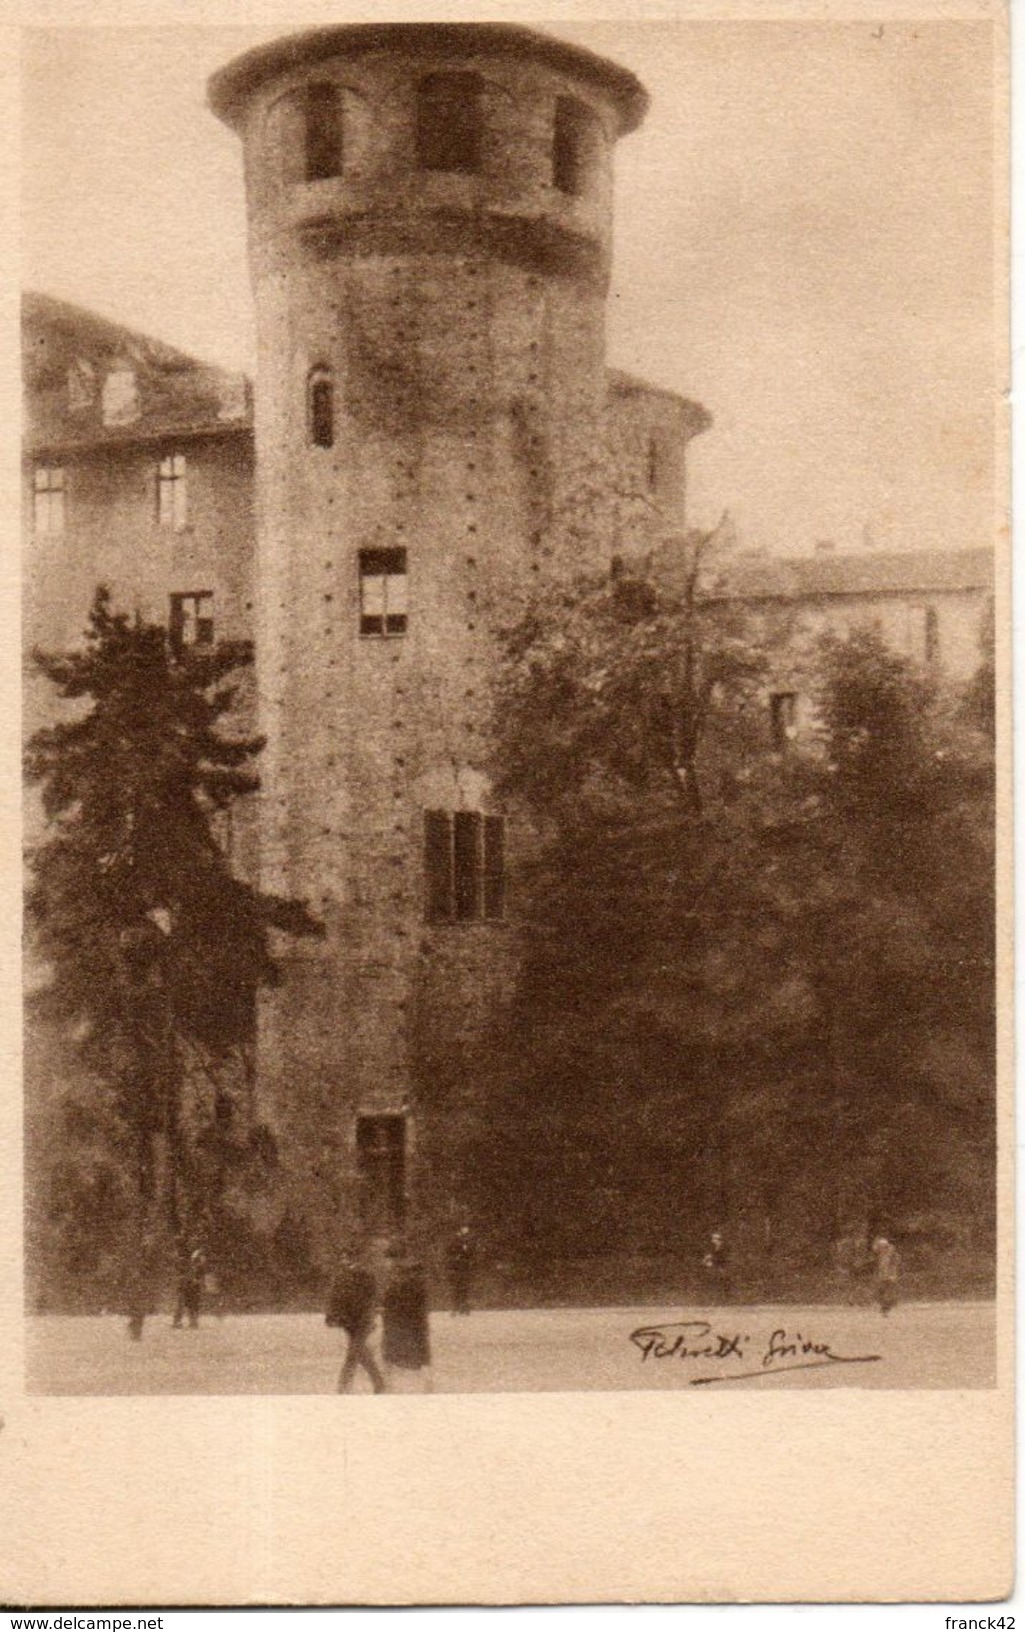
{"x":438,"y":864}
{"x":464,"y":866}
{"x":466,"y":863}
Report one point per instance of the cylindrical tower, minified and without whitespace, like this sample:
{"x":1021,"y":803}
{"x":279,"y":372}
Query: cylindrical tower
{"x":429,"y":228}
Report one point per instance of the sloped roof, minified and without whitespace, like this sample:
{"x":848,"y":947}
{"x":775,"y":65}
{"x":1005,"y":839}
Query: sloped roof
{"x":69,"y":352}
{"x":863,"y":572}
{"x":178,"y":394}
{"x":621,"y":384}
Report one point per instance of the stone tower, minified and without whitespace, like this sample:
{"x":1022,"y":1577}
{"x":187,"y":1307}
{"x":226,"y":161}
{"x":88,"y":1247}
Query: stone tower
{"x":430,"y":211}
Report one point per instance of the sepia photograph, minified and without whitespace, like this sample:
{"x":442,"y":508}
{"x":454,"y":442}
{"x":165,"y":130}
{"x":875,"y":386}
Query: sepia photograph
{"x":513,"y":546}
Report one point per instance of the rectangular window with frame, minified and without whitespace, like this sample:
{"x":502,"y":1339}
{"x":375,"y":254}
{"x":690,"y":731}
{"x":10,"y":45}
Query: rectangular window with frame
{"x":383,"y":602}
{"x":48,"y":500}
{"x":464,"y":866}
{"x":172,"y":492}
{"x":192,"y":620}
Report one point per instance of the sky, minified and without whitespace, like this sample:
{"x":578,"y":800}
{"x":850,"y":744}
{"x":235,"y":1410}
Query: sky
{"x":803,"y":243}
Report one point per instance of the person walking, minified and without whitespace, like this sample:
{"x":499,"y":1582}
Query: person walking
{"x":715,"y":1264}
{"x":141,"y":1282}
{"x":886,"y":1272}
{"x":352,"y":1306}
{"x":407,"y":1342}
{"x":462,"y":1257}
{"x":190,"y":1282}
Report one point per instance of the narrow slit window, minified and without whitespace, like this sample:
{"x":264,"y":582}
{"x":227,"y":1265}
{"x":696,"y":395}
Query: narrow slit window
{"x":172,"y":492}
{"x":48,"y":500}
{"x":383,"y":599}
{"x":782,"y":720}
{"x":449,"y":123}
{"x":654,"y":464}
{"x":570,"y":146}
{"x":192,"y":620}
{"x":321,"y":393}
{"x":931,"y":640}
{"x":323,"y":132}
{"x":464,"y":866}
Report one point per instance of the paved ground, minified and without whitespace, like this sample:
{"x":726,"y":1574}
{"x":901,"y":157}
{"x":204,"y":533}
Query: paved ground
{"x":925,"y":1345}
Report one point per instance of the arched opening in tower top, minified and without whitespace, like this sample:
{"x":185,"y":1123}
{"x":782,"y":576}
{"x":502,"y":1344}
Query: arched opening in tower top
{"x":572,"y":146}
{"x":323,"y":132}
{"x":449,"y":122}
{"x":310,"y":133}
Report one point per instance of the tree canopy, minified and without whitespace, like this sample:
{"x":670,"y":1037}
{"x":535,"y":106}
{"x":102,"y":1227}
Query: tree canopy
{"x":757,"y":978}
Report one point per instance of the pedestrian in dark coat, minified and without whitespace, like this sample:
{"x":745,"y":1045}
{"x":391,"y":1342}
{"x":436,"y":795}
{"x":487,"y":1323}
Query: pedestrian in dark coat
{"x":352,"y":1306}
{"x":140,"y":1290}
{"x":407,"y":1342}
{"x":191,"y":1280}
{"x":462,"y":1258}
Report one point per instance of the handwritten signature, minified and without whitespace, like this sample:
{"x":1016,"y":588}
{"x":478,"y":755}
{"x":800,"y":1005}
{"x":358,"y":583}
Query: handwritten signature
{"x":697,"y":1340}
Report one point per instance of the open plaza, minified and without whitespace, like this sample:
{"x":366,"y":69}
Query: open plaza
{"x":948,"y":1345}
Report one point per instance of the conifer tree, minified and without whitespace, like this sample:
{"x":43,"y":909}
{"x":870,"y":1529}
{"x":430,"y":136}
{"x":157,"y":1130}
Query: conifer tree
{"x":154,"y":949}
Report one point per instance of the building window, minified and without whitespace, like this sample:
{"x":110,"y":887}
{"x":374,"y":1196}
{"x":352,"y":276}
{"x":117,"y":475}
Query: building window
{"x":307,"y":130}
{"x":464,"y":864}
{"x":321,"y":405}
{"x":782,"y":720}
{"x":931,"y":636}
{"x":172,"y":492}
{"x":192,"y":620}
{"x":81,"y":385}
{"x":570,"y":146}
{"x":48,"y":500}
{"x":381,"y":1169}
{"x":120,"y":404}
{"x":382,"y":592}
{"x":322,"y":121}
{"x":449,"y":124}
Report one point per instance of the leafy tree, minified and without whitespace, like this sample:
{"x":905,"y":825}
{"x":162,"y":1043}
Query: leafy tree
{"x":896,"y":920}
{"x":154,"y":949}
{"x":756,"y":987}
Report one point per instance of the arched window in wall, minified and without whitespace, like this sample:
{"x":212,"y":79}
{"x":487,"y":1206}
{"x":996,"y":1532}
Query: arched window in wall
{"x":308,"y":128}
{"x":449,"y":123}
{"x":320,"y":403}
{"x":572,"y":146}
